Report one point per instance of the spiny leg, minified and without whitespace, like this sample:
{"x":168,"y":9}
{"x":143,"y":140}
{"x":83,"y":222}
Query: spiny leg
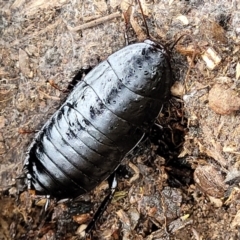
{"x":112,"y":181}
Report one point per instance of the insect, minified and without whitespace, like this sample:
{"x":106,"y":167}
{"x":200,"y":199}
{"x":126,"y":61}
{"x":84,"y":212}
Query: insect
{"x":103,"y":118}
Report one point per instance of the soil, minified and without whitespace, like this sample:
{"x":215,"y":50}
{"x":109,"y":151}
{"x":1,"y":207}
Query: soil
{"x":182,"y":182}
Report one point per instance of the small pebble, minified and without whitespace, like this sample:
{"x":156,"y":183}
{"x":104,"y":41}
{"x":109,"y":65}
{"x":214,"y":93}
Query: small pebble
{"x":223,"y":100}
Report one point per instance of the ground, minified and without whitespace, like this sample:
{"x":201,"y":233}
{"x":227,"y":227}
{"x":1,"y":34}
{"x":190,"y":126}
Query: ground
{"x":183,"y":181}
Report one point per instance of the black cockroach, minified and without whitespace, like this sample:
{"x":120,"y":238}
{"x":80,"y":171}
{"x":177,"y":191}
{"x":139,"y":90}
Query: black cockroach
{"x":103,"y":118}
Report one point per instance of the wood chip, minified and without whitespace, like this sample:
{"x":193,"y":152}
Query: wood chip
{"x":211,"y":58}
{"x":237,"y":71}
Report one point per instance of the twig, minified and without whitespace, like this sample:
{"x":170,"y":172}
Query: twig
{"x":136,"y":173}
{"x":95,"y":22}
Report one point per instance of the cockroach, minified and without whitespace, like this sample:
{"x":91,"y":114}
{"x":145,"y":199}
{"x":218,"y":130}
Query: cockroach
{"x":102,"y":119}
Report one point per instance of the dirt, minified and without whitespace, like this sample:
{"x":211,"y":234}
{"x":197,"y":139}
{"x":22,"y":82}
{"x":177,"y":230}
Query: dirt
{"x":183,"y":182}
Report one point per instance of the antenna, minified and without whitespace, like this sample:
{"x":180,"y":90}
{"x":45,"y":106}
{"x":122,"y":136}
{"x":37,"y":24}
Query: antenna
{"x":145,"y":23}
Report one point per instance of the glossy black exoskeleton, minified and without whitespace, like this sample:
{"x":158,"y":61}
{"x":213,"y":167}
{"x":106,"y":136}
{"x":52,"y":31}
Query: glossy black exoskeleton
{"x":103,"y":118}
